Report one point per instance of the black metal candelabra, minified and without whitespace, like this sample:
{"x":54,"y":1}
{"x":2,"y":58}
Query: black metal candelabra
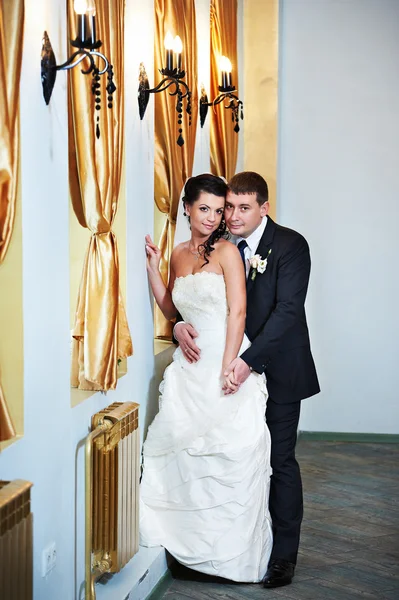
{"x":235,"y":105}
{"x":86,"y":50}
{"x":171,"y":77}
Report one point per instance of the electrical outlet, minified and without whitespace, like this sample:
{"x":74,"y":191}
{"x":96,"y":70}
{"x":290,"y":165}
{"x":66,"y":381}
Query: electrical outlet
{"x":49,"y":559}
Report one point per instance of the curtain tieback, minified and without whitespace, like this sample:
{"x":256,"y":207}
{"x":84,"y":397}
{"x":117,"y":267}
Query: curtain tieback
{"x":98,"y":233}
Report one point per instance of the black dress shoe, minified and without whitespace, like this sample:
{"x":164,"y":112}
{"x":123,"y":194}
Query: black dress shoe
{"x":280,"y":572}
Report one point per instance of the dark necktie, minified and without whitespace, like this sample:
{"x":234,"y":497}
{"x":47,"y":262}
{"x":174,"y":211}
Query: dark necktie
{"x":241,"y":246}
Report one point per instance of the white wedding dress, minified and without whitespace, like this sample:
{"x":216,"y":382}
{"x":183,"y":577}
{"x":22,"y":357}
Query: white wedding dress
{"x":206,"y":476}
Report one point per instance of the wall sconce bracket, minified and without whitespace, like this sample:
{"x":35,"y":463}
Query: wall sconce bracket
{"x":48,"y":68}
{"x":86,"y":50}
{"x":203,"y":107}
{"x":235,"y":105}
{"x":143,"y":94}
{"x":181,"y":90}
{"x":86,"y":47}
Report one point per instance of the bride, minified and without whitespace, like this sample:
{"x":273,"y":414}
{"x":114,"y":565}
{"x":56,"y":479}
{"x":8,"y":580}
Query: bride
{"x":206,"y":459}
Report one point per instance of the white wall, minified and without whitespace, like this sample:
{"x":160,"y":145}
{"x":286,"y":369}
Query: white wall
{"x":338,"y":185}
{"x":51,"y":452}
{"x":202,"y":146}
{"x":241,"y":80}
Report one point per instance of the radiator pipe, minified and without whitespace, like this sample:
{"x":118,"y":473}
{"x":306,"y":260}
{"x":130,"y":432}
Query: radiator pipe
{"x":91,"y":574}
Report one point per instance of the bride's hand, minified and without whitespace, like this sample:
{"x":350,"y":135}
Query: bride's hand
{"x":230,"y":385}
{"x":153,"y":254}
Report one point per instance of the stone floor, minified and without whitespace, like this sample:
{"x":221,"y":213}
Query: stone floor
{"x":350,"y":535}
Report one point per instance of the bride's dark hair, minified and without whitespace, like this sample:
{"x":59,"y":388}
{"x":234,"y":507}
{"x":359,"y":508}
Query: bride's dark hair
{"x":210,"y":184}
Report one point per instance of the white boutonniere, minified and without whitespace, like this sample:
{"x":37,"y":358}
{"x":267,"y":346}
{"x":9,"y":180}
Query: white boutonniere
{"x":258,"y":264}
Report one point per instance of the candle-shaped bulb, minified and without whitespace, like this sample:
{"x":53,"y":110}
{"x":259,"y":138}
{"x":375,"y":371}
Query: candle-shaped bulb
{"x":177,"y":45}
{"x":225,"y":67}
{"x":80,"y":7}
{"x":91,"y":13}
{"x":178,"y":49}
{"x":169,"y":43}
{"x":225,"y":64}
{"x":91,"y":8}
{"x":228,"y":65}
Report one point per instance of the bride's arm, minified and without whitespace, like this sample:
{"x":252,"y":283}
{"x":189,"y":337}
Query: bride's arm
{"x":162,"y":294}
{"x":234,"y":275}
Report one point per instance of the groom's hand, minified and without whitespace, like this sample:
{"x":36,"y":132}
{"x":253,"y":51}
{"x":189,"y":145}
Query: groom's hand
{"x":240,"y":370}
{"x":185,"y":335}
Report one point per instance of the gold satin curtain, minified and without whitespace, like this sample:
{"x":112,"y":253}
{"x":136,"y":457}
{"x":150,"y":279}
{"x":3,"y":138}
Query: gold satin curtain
{"x":173,"y":164}
{"x":224,"y":140}
{"x":11,"y":44}
{"x":101,"y":333}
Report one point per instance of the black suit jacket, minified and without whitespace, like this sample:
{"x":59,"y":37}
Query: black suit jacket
{"x":276,"y":320}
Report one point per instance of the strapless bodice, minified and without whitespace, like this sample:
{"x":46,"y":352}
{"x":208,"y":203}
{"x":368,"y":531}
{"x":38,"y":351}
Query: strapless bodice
{"x":201,"y":300}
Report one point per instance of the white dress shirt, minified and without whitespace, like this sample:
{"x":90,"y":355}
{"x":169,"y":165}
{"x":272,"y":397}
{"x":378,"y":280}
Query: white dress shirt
{"x":253,"y":243}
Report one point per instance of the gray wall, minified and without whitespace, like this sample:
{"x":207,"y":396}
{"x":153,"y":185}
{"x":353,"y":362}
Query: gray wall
{"x":338,"y":185}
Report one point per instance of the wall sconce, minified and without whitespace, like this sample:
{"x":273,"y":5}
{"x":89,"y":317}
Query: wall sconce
{"x":87,"y":44}
{"x":226,"y":88}
{"x":173,"y":75}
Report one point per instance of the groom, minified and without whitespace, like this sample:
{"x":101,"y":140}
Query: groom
{"x":280,"y":348}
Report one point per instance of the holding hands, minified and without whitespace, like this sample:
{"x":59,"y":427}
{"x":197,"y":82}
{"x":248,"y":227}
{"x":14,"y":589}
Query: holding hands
{"x":234,"y":374}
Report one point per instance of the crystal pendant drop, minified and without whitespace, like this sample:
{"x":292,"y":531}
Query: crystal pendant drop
{"x":111,"y":87}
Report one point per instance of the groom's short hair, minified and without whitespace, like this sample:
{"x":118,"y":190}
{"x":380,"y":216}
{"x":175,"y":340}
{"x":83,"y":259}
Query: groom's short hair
{"x":249,"y":182}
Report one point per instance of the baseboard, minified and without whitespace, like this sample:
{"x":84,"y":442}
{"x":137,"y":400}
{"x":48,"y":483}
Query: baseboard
{"x":138,"y":579}
{"x":150,"y":580}
{"x":339,"y":436}
{"x":161,"y":587}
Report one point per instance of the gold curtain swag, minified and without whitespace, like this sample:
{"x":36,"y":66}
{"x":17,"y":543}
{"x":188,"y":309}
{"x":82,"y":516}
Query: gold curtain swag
{"x":223,"y":138}
{"x":173,"y":164}
{"x":101,"y":333}
{"x":11,"y":45}
{"x":7,"y":430}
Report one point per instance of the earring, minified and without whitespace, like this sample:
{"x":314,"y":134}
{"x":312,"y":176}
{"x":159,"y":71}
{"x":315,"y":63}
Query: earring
{"x":185,"y":214}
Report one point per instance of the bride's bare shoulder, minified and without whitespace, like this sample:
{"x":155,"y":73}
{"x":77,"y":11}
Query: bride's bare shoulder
{"x":178,"y":253}
{"x":226,"y":247}
{"x":179,"y":248}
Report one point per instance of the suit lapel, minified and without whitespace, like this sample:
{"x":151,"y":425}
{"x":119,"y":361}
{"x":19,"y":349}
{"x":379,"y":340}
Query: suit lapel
{"x":263,"y":248}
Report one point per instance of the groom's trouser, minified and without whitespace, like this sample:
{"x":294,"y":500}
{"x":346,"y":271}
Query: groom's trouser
{"x":286,"y":501}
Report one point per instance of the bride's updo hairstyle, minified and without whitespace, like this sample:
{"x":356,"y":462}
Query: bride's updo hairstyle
{"x":210,"y":184}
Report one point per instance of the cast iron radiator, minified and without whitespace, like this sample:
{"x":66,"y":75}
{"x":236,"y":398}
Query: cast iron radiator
{"x":16,"y":538}
{"x":112,"y":491}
